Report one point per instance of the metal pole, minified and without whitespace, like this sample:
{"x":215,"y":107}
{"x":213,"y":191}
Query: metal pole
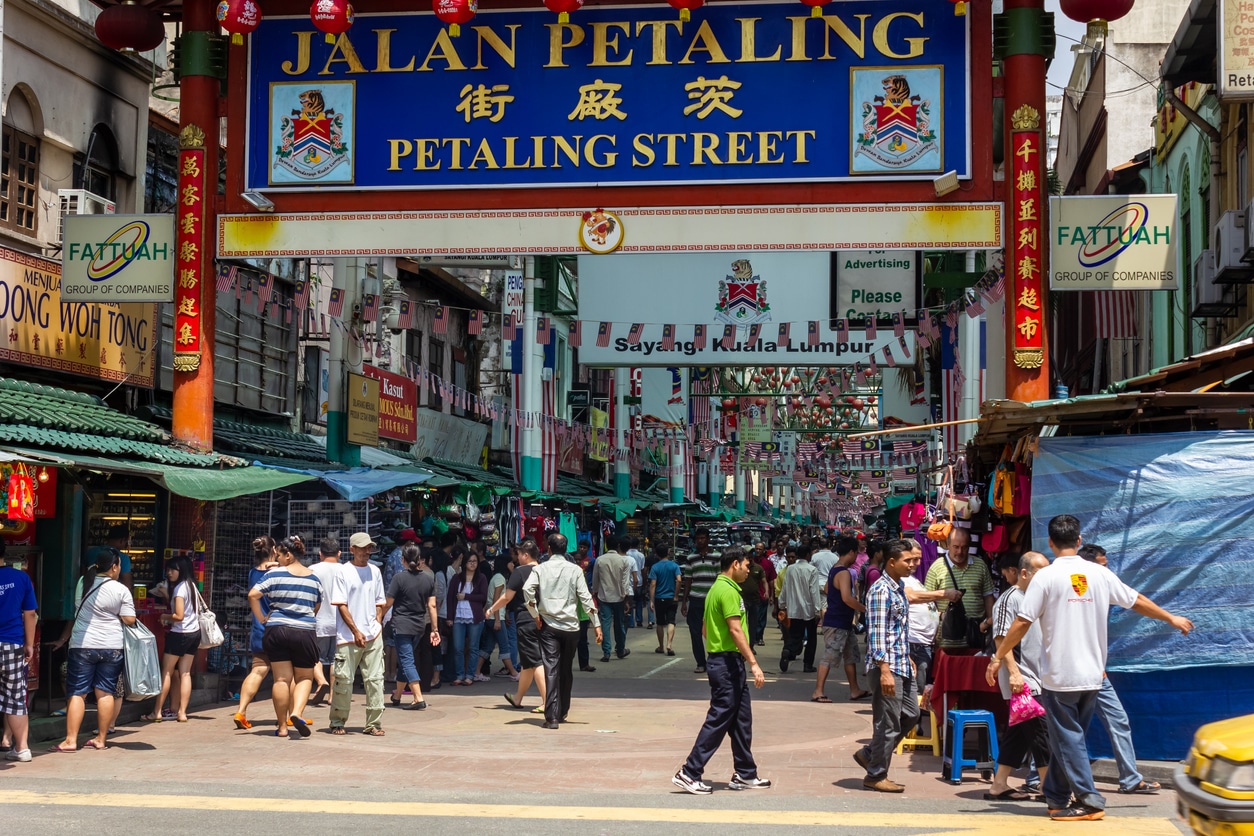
{"x":622,"y":468}
{"x":531,"y":464}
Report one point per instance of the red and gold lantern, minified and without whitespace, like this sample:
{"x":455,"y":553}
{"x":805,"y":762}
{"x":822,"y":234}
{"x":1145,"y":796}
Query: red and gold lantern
{"x":816,"y":6}
{"x":130,"y":26}
{"x":1096,"y":13}
{"x":685,"y":7}
{"x":332,"y":17}
{"x":563,"y":8}
{"x":455,"y":12}
{"x":239,"y":17}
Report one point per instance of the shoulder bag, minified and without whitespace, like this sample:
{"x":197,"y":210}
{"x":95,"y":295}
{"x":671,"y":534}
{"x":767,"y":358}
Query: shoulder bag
{"x":210,"y":632}
{"x":953,"y":626}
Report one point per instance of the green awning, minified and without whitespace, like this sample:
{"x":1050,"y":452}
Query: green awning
{"x":204,"y":483}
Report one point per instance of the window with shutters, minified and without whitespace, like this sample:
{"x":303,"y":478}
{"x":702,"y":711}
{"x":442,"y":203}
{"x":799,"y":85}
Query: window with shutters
{"x":19,"y":181}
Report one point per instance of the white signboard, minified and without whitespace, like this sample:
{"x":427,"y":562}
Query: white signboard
{"x":118,"y":258}
{"x":1236,"y":50}
{"x":449,"y":437}
{"x":1120,"y":242}
{"x":512,"y":304}
{"x":664,"y":397}
{"x":755,"y":292}
{"x":879,"y":282}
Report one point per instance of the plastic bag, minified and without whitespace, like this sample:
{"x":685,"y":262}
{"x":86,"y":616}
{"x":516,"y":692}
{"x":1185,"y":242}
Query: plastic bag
{"x":143,"y":668}
{"x":1024,"y":707}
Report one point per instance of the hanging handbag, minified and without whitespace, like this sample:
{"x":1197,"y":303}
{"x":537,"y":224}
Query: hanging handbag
{"x":997,"y":540}
{"x":139,"y":658}
{"x":1024,"y":707}
{"x":210,"y":632}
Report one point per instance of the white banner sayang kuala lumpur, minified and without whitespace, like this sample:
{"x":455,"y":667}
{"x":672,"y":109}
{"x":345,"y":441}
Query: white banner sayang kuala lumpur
{"x":1120,"y":242}
{"x":716,"y":289}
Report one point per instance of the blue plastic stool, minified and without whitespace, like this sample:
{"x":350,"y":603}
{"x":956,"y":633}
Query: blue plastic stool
{"x":956,"y":723}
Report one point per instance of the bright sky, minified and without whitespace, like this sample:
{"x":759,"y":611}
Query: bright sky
{"x":1066,"y":28}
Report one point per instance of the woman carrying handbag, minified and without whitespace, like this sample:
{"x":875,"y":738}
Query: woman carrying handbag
{"x":183,"y":639}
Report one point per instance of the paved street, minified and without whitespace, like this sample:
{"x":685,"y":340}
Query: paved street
{"x":472,"y":758}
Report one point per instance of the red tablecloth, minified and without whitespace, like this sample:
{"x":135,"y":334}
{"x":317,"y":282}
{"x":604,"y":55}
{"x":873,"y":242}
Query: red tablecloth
{"x":958,"y":682}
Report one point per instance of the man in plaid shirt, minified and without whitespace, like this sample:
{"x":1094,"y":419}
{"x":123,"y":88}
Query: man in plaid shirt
{"x":895,"y":691}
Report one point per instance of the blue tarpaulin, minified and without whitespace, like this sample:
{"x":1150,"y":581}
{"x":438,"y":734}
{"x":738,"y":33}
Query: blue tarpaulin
{"x":361,"y":482}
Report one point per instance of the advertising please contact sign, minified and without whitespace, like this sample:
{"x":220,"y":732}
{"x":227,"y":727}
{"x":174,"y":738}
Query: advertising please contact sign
{"x":1124,"y":242}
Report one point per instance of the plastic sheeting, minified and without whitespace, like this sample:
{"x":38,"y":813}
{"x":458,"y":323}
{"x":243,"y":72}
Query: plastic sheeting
{"x":359,"y":482}
{"x":1175,"y":513}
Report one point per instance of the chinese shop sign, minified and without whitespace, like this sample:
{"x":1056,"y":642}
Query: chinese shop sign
{"x":189,"y":259}
{"x":38,"y":327}
{"x":1026,"y":299}
{"x":398,"y":396}
{"x":743,"y":92}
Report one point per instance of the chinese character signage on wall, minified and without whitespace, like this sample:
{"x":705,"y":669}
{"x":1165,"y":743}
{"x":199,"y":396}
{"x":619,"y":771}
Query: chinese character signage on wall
{"x":106,"y":340}
{"x":398,"y":396}
{"x":189,"y":262}
{"x":118,"y":258}
{"x":1124,"y":242}
{"x":1026,"y":239}
{"x":1236,"y":51}
{"x":748,"y":92}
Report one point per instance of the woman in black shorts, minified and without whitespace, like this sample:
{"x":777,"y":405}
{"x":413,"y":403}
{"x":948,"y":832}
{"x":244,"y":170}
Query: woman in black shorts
{"x":293,"y":594}
{"x":183,"y":639}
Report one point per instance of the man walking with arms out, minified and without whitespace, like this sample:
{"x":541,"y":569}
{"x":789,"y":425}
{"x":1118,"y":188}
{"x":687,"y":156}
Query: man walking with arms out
{"x":699,"y":574}
{"x":359,"y":598}
{"x":894,"y":685}
{"x":554,"y":591}
{"x":730,"y":708}
{"x":1071,"y":599}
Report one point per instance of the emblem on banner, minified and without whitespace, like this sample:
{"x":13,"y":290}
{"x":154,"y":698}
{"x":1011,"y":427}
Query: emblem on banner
{"x":313,"y":140}
{"x":600,"y":232}
{"x":742,"y":297}
{"x":896,"y":130}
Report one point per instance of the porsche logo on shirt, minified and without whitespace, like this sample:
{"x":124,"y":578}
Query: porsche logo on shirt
{"x":1080,"y":584}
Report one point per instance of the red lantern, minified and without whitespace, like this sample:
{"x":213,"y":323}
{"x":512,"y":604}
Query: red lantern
{"x":455,"y":12}
{"x":729,"y":404}
{"x":239,"y":17}
{"x":334,"y":17}
{"x":563,"y":8}
{"x":1085,"y":11}
{"x":130,"y":27}
{"x":816,"y":6}
{"x":685,"y":7}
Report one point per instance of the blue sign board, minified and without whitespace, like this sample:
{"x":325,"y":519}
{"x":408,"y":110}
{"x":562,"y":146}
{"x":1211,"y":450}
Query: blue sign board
{"x":620,"y":95}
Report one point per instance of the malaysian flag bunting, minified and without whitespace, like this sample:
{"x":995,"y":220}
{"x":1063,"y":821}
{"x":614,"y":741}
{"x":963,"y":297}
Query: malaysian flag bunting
{"x":474,"y":323}
{"x":439,"y":324}
{"x":263,"y":292}
{"x":574,"y":334}
{"x":239,"y":286}
{"x":335,"y":307}
{"x":999,"y":287}
{"x":668,"y":337}
{"x":925,"y":341}
{"x":842,"y":331}
{"x":370,"y":309}
{"x":888,"y":358}
{"x":226,"y":277}
{"x":870,"y":326}
{"x":1114,"y":313}
{"x":698,"y":337}
{"x":899,"y":324}
{"x":635,"y":333}
{"x":287,"y":314}
{"x":302,"y":294}
{"x":905,"y":347}
{"x":509,"y":328}
{"x":274,"y":306}
{"x":755,"y":331}
{"x":975,"y":307}
{"x":729,"y":337}
{"x":322,"y":320}
{"x":542,"y":330}
{"x":784,"y":333}
{"x":812,"y":332}
{"x":857,"y":372}
{"x":405,"y":317}
{"x":603,"y":335}
{"x":872,"y":369}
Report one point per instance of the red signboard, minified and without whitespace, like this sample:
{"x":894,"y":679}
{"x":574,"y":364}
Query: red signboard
{"x":45,"y":493}
{"x":1026,"y":298}
{"x":190,"y":260}
{"x":398,"y":396}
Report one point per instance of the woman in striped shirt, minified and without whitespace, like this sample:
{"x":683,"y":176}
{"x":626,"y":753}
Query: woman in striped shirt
{"x":293,"y":595}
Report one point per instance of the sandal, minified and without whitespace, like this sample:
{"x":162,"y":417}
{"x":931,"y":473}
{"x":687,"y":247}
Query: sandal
{"x":396,"y":700}
{"x":61,"y":749}
{"x":1007,"y":795}
{"x":338,"y":730}
{"x":822,"y":699}
{"x":241,"y":722}
{"x":509,"y":698}
{"x":151,"y":718}
{"x":375,"y":732}
{"x":539,"y":709}
{"x":300,"y":724}
{"x":419,"y":705}
{"x":1144,"y":788}
{"x":95,"y":744}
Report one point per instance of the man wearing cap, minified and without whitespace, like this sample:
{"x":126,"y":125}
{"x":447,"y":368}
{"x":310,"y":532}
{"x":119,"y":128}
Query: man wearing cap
{"x":358,"y":595}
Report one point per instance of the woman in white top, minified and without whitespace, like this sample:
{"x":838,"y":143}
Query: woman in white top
{"x":183,"y":639}
{"x":95,"y":655}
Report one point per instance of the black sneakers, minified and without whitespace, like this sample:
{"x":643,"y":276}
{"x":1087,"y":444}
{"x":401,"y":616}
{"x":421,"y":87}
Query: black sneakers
{"x":738,"y":783}
{"x":691,"y":785}
{"x":1077,"y":812}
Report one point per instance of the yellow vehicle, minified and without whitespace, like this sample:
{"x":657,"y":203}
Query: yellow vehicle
{"x":1215,"y":786}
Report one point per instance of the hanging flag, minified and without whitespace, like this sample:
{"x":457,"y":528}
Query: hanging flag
{"x":870,"y":326}
{"x":474,"y":323}
{"x":999,"y":287}
{"x":370,"y":308}
{"x":322,"y":319}
{"x":287,"y":314}
{"x":239,"y":286}
{"x":729,"y":337}
{"x":509,"y":328}
{"x":1115,"y":314}
{"x":668,"y":337}
{"x":842,"y":332}
{"x":405,"y":316}
{"x":336,"y":306}
{"x":899,"y":324}
{"x":925,"y":341}
{"x":698,"y":337}
{"x":574,"y":333}
{"x":263,"y":292}
{"x":226,"y":277}
{"x":975,"y":307}
{"x":542,"y":330}
{"x":635,"y":333}
{"x":439,"y":324}
{"x":302,"y":294}
{"x":784,"y":336}
{"x":857,"y":372}
{"x":888,"y":358}
{"x":872,"y":369}
{"x":812,"y":332}
{"x":755,"y":330}
{"x":603,"y":335}
{"x":274,"y":306}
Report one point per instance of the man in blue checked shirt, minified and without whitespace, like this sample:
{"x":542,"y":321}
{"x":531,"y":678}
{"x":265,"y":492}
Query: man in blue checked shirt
{"x":895,"y":691}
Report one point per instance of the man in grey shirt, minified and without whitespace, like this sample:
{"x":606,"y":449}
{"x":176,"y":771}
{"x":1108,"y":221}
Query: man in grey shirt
{"x":612,"y":584}
{"x":554,"y":592}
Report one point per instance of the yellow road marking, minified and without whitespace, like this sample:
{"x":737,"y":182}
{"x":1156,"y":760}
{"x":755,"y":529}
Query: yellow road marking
{"x":936,"y":824}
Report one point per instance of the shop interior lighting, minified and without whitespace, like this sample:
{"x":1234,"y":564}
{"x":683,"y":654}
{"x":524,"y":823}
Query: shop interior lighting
{"x":258,"y":201}
{"x":42,"y":476}
{"x":132,"y":495}
{"x":125,"y":519}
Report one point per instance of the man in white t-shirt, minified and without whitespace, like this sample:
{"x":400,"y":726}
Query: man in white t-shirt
{"x":358,"y":596}
{"x":325,"y":570}
{"x":1071,"y":599}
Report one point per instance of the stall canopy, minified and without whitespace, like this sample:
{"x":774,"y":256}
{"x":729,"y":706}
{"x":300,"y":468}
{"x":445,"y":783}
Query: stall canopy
{"x":359,"y":482}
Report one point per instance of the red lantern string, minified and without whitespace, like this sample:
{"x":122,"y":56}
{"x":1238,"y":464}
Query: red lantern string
{"x":333,"y":17}
{"x":563,"y":8}
{"x":685,"y":7}
{"x":239,"y":17}
{"x":130,"y":26}
{"x":455,"y":12}
{"x":816,"y":6}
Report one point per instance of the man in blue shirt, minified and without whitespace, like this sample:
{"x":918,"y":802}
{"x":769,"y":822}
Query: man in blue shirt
{"x":663,"y":578}
{"x":894,"y":685}
{"x":17,"y":650}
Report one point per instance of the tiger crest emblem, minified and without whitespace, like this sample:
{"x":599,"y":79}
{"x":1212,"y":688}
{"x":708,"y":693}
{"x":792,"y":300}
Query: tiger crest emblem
{"x":311,"y":138}
{"x":896,"y":126}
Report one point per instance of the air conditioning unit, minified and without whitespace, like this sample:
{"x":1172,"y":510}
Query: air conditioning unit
{"x":81,"y":202}
{"x":1228,"y":243}
{"x":1208,"y":295}
{"x":1249,"y":237}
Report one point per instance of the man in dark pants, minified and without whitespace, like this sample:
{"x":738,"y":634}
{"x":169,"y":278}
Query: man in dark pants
{"x":699,"y":574}
{"x":554,"y":591}
{"x":588,"y":565}
{"x":730,"y":707}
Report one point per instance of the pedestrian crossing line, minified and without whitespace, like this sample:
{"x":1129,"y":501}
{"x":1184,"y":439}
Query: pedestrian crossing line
{"x":932,"y":824}
{"x":662,"y":667}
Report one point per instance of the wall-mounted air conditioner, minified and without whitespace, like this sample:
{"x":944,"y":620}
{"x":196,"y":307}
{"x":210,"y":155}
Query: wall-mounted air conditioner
{"x":81,"y":202}
{"x":1208,"y":296}
{"x":1227,"y":241}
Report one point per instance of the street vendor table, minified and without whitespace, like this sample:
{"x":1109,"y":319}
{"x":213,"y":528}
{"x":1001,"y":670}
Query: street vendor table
{"x":958,"y":682}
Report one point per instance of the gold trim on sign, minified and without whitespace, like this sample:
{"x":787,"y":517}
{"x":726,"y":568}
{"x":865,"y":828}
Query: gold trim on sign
{"x":1029,"y":358}
{"x":191,"y":138}
{"x":1025,"y":118}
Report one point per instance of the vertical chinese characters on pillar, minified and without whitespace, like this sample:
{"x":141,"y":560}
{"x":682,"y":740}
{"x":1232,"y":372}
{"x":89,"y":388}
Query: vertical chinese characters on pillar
{"x":189,"y":241}
{"x":1026,"y":298}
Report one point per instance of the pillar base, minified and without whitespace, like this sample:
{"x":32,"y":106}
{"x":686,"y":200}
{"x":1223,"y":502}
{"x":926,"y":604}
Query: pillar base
{"x":339,"y":450}
{"x":532,"y":473}
{"x":740,"y":507}
{"x":622,"y":485}
{"x":677,"y":493}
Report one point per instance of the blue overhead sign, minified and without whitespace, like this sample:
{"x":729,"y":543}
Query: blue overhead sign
{"x":621,"y":95}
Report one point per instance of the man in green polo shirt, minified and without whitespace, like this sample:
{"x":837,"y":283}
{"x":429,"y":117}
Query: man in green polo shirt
{"x":727,"y":651}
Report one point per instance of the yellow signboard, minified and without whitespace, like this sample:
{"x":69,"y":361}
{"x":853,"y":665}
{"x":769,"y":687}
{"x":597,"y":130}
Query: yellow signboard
{"x":363,"y":410}
{"x":106,"y":340}
{"x":599,"y":446}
